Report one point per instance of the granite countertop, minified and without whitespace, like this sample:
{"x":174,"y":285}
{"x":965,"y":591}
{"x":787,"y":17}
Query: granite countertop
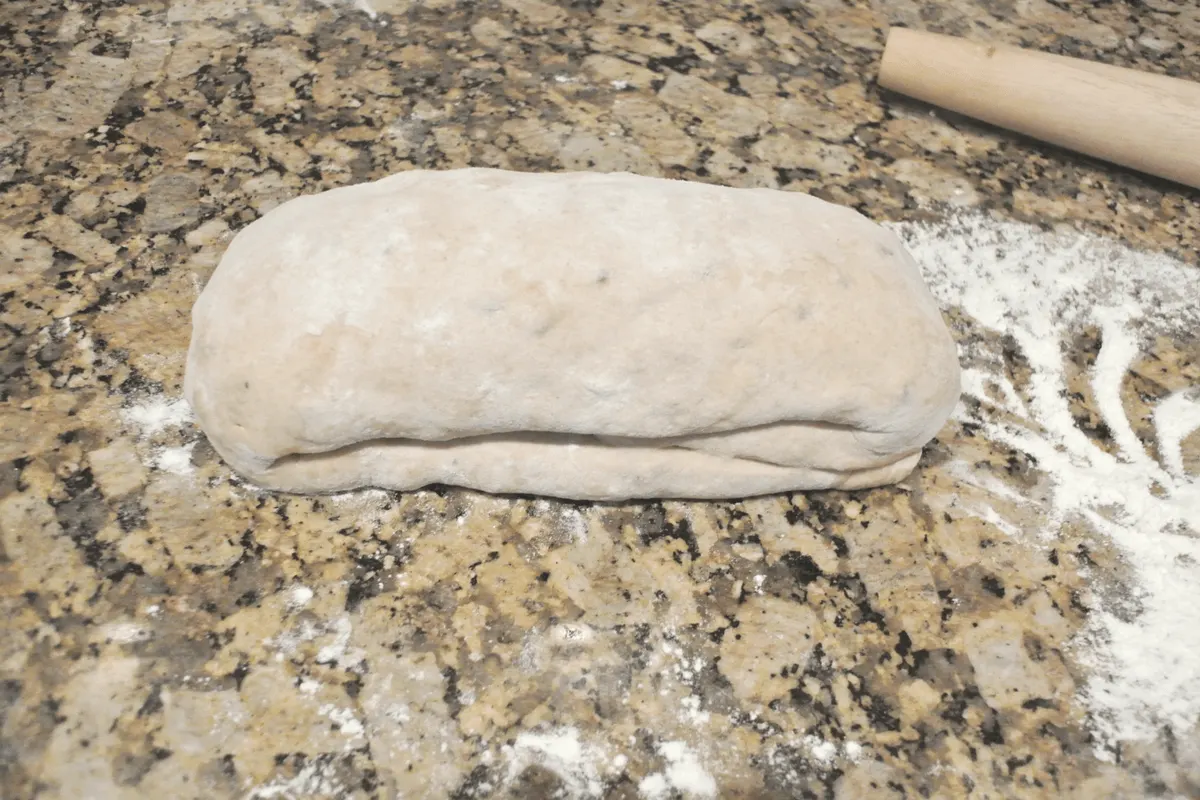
{"x":170,"y":631}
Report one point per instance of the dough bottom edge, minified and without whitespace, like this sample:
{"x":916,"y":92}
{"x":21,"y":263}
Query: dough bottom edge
{"x":579,"y":468}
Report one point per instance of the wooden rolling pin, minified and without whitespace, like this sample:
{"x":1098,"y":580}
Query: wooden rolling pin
{"x":1140,"y":120}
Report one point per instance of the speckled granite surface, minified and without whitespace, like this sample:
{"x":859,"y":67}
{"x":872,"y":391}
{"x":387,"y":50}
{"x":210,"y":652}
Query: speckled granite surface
{"x":170,"y":632}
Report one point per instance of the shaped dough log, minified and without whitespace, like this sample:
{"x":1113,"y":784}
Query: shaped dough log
{"x":591,"y":336}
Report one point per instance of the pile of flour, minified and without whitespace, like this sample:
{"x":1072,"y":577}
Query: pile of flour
{"x":1043,"y":289}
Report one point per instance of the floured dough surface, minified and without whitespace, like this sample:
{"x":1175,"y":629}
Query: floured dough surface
{"x":590,"y":336}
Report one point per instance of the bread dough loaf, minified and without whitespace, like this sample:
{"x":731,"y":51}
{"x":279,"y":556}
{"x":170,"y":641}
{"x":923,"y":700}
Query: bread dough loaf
{"x":590,"y":336}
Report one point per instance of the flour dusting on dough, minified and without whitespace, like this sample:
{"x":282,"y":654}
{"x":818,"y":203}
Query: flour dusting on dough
{"x":1042,"y":289}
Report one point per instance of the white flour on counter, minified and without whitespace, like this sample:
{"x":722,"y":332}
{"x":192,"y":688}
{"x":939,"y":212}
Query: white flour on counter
{"x":176,"y":460}
{"x":154,"y":417}
{"x":1043,"y":289}
{"x":157,"y":413}
{"x":581,"y":766}
{"x":682,"y":773}
{"x":314,"y":780}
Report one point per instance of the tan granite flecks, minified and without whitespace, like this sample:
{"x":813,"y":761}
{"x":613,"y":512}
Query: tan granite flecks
{"x":170,"y":631}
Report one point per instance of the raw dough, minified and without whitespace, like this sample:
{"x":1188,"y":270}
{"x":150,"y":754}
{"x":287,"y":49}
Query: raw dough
{"x":591,"y":336}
